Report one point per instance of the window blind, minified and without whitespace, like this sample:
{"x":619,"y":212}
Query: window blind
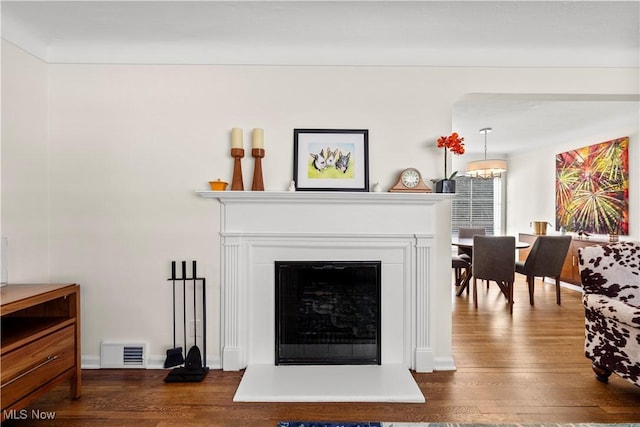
{"x":473,"y":206}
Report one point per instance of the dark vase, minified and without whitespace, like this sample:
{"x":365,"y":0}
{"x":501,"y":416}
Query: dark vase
{"x":446,"y":186}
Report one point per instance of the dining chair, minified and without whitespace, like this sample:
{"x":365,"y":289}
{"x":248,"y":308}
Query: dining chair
{"x":545,"y":259}
{"x":462,"y":269}
{"x":494,"y":260}
{"x":461,"y":263}
{"x":468,"y":233}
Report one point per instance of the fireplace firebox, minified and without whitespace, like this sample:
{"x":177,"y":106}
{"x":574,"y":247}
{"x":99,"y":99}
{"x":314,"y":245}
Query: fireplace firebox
{"x":328,"y":312}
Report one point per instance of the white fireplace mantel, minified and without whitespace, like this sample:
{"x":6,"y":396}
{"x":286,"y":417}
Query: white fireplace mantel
{"x":409,"y":233}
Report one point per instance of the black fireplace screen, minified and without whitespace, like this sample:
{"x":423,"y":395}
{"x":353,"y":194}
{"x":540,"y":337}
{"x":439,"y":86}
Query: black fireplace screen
{"x":328,"y":313}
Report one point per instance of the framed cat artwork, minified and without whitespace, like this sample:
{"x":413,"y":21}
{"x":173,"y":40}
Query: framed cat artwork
{"x":331,"y":159}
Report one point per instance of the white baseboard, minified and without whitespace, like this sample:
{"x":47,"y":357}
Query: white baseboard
{"x":566,"y":285}
{"x":444,"y":364}
{"x":90,"y":362}
{"x":153,"y":362}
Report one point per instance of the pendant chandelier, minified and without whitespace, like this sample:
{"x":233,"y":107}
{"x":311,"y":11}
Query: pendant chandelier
{"x":492,"y":168}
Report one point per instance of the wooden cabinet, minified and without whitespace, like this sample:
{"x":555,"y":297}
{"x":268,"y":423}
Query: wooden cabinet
{"x":40,"y":342}
{"x":570,"y":269}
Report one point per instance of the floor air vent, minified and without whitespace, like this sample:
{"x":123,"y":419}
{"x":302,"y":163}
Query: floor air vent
{"x":122,"y":355}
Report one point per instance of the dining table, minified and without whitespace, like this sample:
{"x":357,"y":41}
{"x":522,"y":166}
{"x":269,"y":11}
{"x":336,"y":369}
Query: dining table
{"x":467,"y":245}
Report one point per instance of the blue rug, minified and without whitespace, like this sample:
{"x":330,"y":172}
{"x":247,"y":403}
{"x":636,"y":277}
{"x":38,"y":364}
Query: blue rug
{"x":402,"y":424}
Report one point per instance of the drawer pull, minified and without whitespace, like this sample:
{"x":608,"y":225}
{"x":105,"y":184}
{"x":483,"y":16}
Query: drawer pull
{"x":24,"y":374}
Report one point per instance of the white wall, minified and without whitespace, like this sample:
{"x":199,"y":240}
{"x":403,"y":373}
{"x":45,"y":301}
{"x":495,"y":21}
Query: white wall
{"x":129,"y":145}
{"x":25,"y":165}
{"x":531,"y":176}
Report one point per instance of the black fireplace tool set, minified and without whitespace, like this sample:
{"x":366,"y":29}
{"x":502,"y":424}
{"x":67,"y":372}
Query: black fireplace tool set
{"x":194,"y":366}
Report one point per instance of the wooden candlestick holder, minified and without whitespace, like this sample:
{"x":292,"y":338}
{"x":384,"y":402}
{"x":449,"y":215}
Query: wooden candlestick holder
{"x":236,"y":183}
{"x":258,"y":154}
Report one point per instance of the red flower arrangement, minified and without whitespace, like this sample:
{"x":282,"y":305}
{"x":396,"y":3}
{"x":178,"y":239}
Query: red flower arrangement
{"x":453,"y":143}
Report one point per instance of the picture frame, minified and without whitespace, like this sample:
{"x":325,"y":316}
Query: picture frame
{"x":331,"y":159}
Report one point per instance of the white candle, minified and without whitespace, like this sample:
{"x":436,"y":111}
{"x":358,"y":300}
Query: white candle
{"x":236,"y":138}
{"x":258,"y":138}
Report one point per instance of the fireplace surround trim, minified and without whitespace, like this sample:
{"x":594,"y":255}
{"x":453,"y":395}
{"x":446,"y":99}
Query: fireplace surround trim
{"x":257,"y":227}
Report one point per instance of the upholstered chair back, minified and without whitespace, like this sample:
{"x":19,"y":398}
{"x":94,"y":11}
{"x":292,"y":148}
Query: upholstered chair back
{"x":612,"y":270}
{"x":468,"y":233}
{"x":547,"y":256}
{"x":494,"y":258}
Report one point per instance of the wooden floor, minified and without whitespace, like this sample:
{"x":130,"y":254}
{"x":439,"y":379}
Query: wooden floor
{"x":524,"y":368}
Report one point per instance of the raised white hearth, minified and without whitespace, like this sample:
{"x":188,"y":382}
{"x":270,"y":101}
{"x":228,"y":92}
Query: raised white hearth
{"x":408,"y":233}
{"x":338,"y":383}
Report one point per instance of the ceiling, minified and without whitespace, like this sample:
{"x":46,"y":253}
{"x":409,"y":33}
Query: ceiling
{"x":521,"y":122}
{"x":462,"y":33}
{"x":356,"y":33}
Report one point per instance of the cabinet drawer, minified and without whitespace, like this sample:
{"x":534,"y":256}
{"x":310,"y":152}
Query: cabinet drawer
{"x":27,"y":368}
